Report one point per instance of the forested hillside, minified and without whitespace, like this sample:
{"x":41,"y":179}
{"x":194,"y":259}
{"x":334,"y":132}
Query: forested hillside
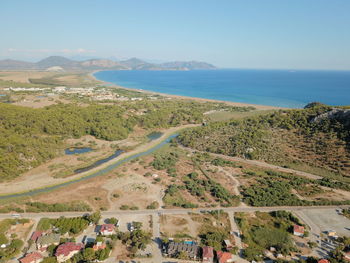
{"x":31,"y":136}
{"x":315,"y":139}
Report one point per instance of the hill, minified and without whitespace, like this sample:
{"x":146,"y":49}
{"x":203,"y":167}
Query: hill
{"x":100,"y":64}
{"x":315,"y":139}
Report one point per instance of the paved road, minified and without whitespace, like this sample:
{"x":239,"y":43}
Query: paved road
{"x":114,"y":213}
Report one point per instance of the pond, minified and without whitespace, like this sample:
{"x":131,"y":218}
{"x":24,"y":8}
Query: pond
{"x":70,"y":151}
{"x":154,"y":135}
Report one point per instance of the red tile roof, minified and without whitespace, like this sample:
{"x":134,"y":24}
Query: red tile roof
{"x":32,"y":257}
{"x":323,"y":261}
{"x":107,"y":227}
{"x":208,"y":252}
{"x":36,"y":235}
{"x":223,"y":257}
{"x":299,"y":229}
{"x":66,"y":248}
{"x":99,"y":247}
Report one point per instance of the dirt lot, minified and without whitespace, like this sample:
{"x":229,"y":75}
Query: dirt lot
{"x":178,"y":225}
{"x":329,"y":219}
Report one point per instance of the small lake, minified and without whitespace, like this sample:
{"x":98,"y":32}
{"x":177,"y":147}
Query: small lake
{"x":70,"y":151}
{"x":154,"y":135}
{"x":99,"y":162}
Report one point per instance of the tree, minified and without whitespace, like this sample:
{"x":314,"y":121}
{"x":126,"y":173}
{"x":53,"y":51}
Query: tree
{"x":113,"y":220}
{"x":94,"y":217}
{"x":89,"y":254}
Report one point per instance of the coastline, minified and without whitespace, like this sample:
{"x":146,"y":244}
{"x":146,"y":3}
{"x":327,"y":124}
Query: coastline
{"x":230,"y":103}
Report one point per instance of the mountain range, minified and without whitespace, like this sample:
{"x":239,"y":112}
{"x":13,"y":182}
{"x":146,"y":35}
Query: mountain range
{"x":62,"y":63}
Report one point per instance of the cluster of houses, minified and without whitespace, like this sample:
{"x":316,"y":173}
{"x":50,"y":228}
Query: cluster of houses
{"x":194,"y":252}
{"x":40,"y":241}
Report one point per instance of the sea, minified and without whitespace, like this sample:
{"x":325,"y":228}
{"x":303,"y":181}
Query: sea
{"x":281,"y":88}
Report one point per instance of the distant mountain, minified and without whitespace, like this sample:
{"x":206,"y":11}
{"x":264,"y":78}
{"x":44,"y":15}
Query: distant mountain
{"x":9,"y":64}
{"x":100,"y":64}
{"x":187,"y":65}
{"x":54,"y":61}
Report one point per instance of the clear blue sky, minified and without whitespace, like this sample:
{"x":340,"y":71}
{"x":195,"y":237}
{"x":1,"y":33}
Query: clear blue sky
{"x":294,"y":34}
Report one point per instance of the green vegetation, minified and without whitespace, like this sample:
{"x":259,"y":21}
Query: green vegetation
{"x":33,"y":136}
{"x":174,"y":197}
{"x":136,"y":239}
{"x":293,"y":138}
{"x":14,"y":245}
{"x":269,"y":188}
{"x":36,"y":207}
{"x":64,"y":225}
{"x":165,"y":160}
{"x":266,"y":230}
{"x":198,"y":187}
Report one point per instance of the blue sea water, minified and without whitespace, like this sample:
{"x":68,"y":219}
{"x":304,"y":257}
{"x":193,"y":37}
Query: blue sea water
{"x":283,"y":88}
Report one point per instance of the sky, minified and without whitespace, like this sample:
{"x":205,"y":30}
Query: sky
{"x":266,"y":34}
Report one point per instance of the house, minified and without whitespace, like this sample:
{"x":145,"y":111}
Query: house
{"x":175,"y":248}
{"x":67,"y":250}
{"x":44,"y":241}
{"x":331,"y":233}
{"x":207,"y":255}
{"x":228,"y":244}
{"x":224,"y":257}
{"x":298,"y":230}
{"x":36,"y":235}
{"x":34,"y":257}
{"x":99,"y":246}
{"x":323,"y":261}
{"x":107,"y":229}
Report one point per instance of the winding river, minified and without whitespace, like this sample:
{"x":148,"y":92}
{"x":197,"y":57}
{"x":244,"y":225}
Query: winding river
{"x":94,"y":174}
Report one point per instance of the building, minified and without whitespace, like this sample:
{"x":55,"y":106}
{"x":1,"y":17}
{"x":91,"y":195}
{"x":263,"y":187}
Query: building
{"x":323,"y":261}
{"x":175,"y":248}
{"x":228,"y":244}
{"x":224,"y":257}
{"x":67,"y":250}
{"x":34,"y":257}
{"x":331,"y":233}
{"x":207,"y":255}
{"x":298,"y":230}
{"x":36,"y":235}
{"x":44,"y":241}
{"x":107,"y":229}
{"x":99,"y":246}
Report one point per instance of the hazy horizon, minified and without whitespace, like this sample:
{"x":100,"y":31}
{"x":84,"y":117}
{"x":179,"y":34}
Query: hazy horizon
{"x":272,"y":34}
